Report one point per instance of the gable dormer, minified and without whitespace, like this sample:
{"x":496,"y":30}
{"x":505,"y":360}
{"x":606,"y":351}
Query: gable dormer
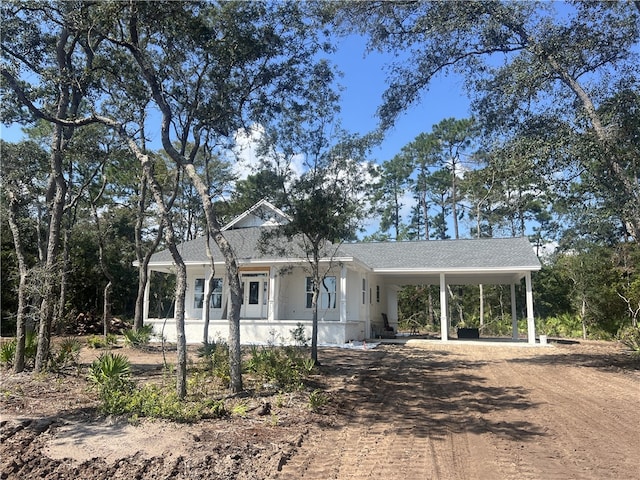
{"x":262,"y":214}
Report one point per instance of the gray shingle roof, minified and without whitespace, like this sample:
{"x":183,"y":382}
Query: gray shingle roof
{"x":486,"y":253}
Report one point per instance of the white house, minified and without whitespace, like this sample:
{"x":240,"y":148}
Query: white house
{"x":362,"y":282}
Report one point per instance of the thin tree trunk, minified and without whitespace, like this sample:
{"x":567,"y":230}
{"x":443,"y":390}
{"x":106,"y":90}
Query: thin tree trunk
{"x":233,"y":275}
{"x":170,"y":238}
{"x":208,"y":293}
{"x":314,"y":306}
{"x":430,"y":310}
{"x":106,"y":308}
{"x":21,"y":318}
{"x":583,"y":315}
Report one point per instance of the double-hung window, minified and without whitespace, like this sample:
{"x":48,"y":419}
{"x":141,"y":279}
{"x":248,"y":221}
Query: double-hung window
{"x":216,"y":296}
{"x":198,"y":293}
{"x":327,"y":294}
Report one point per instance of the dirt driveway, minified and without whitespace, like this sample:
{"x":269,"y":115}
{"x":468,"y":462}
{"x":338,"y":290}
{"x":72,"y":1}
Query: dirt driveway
{"x":419,"y":411}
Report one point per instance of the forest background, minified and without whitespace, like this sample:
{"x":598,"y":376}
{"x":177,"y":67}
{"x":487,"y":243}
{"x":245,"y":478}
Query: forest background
{"x":132,"y":117}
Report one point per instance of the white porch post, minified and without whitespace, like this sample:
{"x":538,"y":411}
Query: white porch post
{"x":444,"y":318}
{"x":514,"y":313}
{"x":273,"y":278}
{"x":145,"y":302}
{"x":343,"y":293}
{"x":531,"y":326}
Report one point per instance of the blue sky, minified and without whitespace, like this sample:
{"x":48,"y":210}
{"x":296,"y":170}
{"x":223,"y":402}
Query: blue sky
{"x":365,"y":81}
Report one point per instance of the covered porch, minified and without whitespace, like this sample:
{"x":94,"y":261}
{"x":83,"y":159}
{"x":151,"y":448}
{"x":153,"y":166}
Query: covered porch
{"x":397,"y":279}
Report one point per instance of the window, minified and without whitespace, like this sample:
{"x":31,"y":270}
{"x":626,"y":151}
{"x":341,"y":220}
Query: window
{"x":364,"y":291}
{"x":216,"y":295}
{"x":198,"y":293}
{"x":327,"y":298}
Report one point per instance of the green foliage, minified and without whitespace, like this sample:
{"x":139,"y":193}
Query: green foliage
{"x":299,"y":336}
{"x":8,"y":350}
{"x":111,"y":375}
{"x":66,"y":354}
{"x":154,"y":401}
{"x":280,"y":367}
{"x":317,"y":400}
{"x":110,"y":371}
{"x":216,"y":356}
{"x":7,"y":353}
{"x":565,"y":325}
{"x":138,"y":338}
{"x":99,"y":341}
{"x":630,"y":337}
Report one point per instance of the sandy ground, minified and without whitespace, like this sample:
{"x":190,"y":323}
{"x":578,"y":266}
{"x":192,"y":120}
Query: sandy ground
{"x":418,"y":411}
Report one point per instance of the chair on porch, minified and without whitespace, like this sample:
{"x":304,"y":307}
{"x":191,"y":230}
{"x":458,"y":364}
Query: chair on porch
{"x":387,"y":330}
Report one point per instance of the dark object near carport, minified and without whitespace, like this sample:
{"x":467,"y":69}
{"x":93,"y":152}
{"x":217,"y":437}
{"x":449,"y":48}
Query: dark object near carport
{"x":468,"y":333}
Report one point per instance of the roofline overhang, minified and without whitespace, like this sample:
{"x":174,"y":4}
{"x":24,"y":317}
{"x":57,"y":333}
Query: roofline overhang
{"x":266,"y":261}
{"x":468,"y":270}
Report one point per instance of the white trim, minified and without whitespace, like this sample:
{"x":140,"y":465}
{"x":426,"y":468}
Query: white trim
{"x":261,"y":203}
{"x":531,"y":324}
{"x":444,"y":317}
{"x":457,"y":270}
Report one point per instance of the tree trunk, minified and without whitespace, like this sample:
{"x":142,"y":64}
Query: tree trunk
{"x":208,"y":292}
{"x":60,"y":309}
{"x":583,"y":317}
{"x":314,"y":307}
{"x":59,"y":187}
{"x":170,"y":238}
{"x":57,"y":195}
{"x":621,"y":180}
{"x":430,"y":310}
{"x":106,"y":308}
{"x":143,"y":259}
{"x":21,"y":318}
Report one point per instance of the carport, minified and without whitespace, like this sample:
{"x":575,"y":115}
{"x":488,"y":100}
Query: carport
{"x":487,"y":261}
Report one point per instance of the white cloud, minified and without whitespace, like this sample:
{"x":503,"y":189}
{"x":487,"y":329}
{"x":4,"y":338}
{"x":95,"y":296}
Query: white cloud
{"x":247,"y":161}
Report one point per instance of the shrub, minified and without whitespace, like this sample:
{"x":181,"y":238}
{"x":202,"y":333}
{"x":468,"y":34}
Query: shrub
{"x":111,"y":374}
{"x":284,"y":368}
{"x":317,"y":400}
{"x":139,"y":337}
{"x":8,"y":352}
{"x":216,"y":356}
{"x":99,"y":341}
{"x":299,"y":336}
{"x":66,"y":355}
{"x":630,"y":337}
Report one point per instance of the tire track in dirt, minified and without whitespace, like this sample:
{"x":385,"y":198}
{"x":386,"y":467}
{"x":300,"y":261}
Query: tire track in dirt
{"x":391,"y":433}
{"x":458,"y":412}
{"x":579,"y":430}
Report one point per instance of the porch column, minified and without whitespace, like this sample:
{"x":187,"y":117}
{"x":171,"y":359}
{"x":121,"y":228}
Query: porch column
{"x":271,"y":311}
{"x":343,"y":293}
{"x":531,"y":326}
{"x":444,"y":318}
{"x":514,"y":313}
{"x":145,"y":302}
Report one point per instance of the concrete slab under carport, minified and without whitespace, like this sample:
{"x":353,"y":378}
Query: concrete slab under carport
{"x":489,"y":342}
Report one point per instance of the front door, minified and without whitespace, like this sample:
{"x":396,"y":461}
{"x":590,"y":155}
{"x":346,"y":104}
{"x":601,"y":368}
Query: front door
{"x":254,"y":299}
